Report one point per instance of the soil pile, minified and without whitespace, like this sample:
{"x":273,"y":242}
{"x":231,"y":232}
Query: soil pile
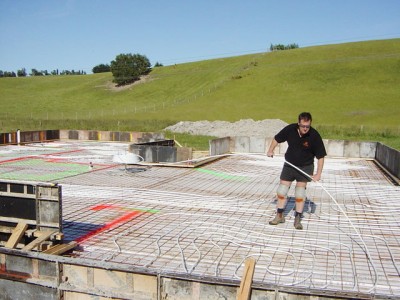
{"x":247,"y":127}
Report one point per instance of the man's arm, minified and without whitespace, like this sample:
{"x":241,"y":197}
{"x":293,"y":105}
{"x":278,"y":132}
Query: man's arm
{"x":271,"y":149}
{"x":320,"y":166}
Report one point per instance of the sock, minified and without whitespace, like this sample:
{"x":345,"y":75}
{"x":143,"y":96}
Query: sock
{"x":280,"y":210}
{"x":298,"y":214}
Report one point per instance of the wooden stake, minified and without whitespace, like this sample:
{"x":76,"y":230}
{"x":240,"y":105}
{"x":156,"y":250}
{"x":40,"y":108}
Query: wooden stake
{"x":244,"y":291}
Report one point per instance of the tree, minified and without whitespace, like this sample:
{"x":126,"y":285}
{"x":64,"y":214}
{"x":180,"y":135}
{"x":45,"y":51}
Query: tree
{"x":283,"y":47}
{"x":127,"y":68}
{"x":101,"y":68}
{"x":7,"y":74}
{"x":157,"y":64}
{"x":21,"y":73}
{"x":35,"y":72}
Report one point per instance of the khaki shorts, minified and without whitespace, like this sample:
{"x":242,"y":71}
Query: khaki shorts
{"x":289,"y":173}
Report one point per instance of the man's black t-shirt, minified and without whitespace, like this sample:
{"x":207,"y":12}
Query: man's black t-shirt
{"x":302,"y":149}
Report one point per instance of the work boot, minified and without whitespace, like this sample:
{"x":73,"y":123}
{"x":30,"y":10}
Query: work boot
{"x":297,"y":222}
{"x":279,"y":218}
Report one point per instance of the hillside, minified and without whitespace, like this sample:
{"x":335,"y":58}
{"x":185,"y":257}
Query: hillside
{"x":353,"y":85}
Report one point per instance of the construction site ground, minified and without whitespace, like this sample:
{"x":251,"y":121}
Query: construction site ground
{"x":205,"y":221}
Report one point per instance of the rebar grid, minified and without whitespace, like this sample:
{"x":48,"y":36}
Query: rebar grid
{"x":206,"y":221}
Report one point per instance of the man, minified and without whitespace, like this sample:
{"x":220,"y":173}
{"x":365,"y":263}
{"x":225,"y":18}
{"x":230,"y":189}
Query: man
{"x":304,"y":144}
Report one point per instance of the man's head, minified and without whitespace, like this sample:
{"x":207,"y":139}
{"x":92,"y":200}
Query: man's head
{"x":304,"y":123}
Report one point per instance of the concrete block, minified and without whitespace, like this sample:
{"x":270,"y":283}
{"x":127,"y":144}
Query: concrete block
{"x":209,"y":291}
{"x":31,"y":136}
{"x":368,"y":149}
{"x":49,"y":213}
{"x":76,"y":275}
{"x":93,"y":135}
{"x":73,"y":135}
{"x":64,"y":134}
{"x":110,"y":280}
{"x":3,"y":138}
{"x":110,"y":283}
{"x":359,"y":149}
{"x":47,"y":269}
{"x":104,"y":135}
{"x":21,"y":290}
{"x":334,"y":148}
{"x":389,"y":158}
{"x":46,"y":192}
{"x":351,"y":149}
{"x":257,"y":145}
{"x":52,"y":134}
{"x":242,"y":144}
{"x":174,"y":289}
{"x":121,"y":136}
{"x":135,"y":136}
{"x":19,"y":264}
{"x":220,"y":146}
{"x":83,"y":135}
{"x":144,"y":284}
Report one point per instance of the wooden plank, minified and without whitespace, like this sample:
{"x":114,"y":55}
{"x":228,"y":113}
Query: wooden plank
{"x":44,"y":236}
{"x":17,"y":220}
{"x":60,"y":249}
{"x":53,"y":249}
{"x":16,"y":235}
{"x":37,"y":233}
{"x":244,"y":291}
{"x":6,"y":229}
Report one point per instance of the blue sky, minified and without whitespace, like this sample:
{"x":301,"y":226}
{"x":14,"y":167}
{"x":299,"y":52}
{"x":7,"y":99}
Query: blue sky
{"x":80,"y":34}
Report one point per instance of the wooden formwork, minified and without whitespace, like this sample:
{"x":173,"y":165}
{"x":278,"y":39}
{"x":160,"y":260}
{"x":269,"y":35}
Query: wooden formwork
{"x":30,"y":215}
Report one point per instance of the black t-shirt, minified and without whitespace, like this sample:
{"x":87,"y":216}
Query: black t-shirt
{"x":302,"y":149}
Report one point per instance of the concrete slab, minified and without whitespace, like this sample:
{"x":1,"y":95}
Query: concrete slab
{"x":204,"y":222}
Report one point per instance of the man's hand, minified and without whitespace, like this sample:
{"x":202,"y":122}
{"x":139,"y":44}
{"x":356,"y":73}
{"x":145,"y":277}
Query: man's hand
{"x":270,"y":152}
{"x":320,"y":166}
{"x":316,"y":177}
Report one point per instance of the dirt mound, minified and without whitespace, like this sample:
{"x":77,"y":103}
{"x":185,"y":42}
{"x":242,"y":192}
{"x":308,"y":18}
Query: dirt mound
{"x":247,"y":127}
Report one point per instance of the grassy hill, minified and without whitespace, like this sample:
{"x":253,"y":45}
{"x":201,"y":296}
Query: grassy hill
{"x":352,"y":90}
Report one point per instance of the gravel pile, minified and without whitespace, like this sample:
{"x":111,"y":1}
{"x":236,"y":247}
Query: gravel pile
{"x":247,"y":127}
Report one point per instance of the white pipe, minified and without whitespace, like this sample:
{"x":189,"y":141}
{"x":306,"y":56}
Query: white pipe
{"x":344,"y":213}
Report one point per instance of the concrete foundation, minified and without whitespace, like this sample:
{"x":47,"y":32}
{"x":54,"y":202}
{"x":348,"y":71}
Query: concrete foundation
{"x":148,"y":232}
{"x":29,"y":276}
{"x":389,"y":158}
{"x":23,"y":137}
{"x":114,"y":136}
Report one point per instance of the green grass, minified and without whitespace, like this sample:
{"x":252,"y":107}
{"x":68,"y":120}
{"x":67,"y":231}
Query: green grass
{"x":352,"y":90}
{"x":197,"y":142}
